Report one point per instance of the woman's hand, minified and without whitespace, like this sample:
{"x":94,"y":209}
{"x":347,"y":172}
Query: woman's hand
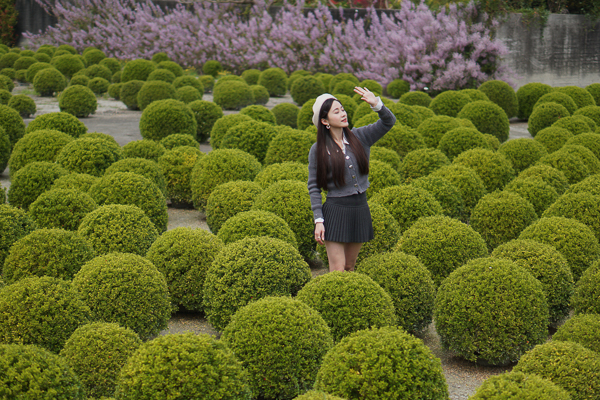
{"x":366,"y":95}
{"x":319,"y":232}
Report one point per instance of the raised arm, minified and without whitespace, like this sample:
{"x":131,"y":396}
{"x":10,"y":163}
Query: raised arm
{"x":316,"y":202}
{"x":370,"y":134}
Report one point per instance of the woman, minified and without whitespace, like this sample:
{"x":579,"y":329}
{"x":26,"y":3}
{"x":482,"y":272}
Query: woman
{"x":339,"y":163}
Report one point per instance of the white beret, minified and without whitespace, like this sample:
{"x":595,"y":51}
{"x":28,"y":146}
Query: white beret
{"x":317,"y":107}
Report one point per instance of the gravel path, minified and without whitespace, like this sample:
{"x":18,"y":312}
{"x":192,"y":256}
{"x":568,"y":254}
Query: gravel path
{"x":113,"y":118}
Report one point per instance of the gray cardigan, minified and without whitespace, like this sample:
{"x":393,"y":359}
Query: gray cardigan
{"x":355,"y":181}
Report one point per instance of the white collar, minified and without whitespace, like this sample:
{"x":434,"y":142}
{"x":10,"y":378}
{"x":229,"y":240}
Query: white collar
{"x":344,"y":143}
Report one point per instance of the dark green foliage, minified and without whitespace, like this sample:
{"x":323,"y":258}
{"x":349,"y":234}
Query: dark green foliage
{"x":218,"y":167}
{"x":79,"y":182}
{"x":583,"y":329}
{"x":286,"y":364}
{"x":305,"y":115}
{"x":547,"y":265}
{"x":519,"y":385}
{"x":97,"y":71}
{"x":415,"y":99}
{"x":275,"y":80}
{"x":424,"y":112}
{"x":576,"y":125}
{"x":30,"y":372}
{"x":260,"y":94}
{"x":93,"y":56}
{"x":339,"y":78}
{"x":535,"y":190}
{"x":188,"y":94}
{"x":5,"y":96}
{"x":259,"y":113}
{"x":251,"y":76}
{"x":146,"y":148}
{"x":178,"y":139}
{"x":548,"y":174}
{"x":381,"y":175}
{"x":286,"y":114}
{"x":23,"y":104}
{"x":5,"y":147}
{"x":8,"y":72}
{"x":67,"y":64}
{"x":187,"y":80}
{"x":171,"y":66}
{"x":129,"y":92}
{"x":23,"y":62}
{"x":402,"y":140}
{"x":42,"y":311}
{"x":114,"y":90}
{"x":82,"y":80}
{"x":147,"y":168}
{"x":138,"y":70}
{"x":112,"y":64}
{"x":594,"y":90}
{"x":308,"y":87}
{"x":580,"y":96}
{"x":180,"y":365}
{"x":98,"y":85}
{"x":373,"y":352}
{"x":387,"y":156}
{"x":252,"y":137}
{"x":129,"y":188}
{"x":152,"y":91}
{"x":31,"y":181}
{"x":61,"y":208}
{"x":560,"y":98}
{"x":408,"y":283}
{"x":372,"y":85}
{"x":207,"y":81}
{"x":256,"y":224}
{"x":446,"y":193}
{"x":161,"y":75}
{"x":583,"y":207}
{"x":467,"y":181}
{"x":184,"y":256}
{"x":223,"y":124}
{"x":587,"y":147}
{"x":282,"y":171}
{"x":233,"y":95}
{"x":14,"y":224}
{"x":458,"y":140}
{"x":487,"y":118}
{"x":528,"y":95}
{"x":503,"y":95}
{"x":491,"y":310}
{"x":77,"y":100}
{"x":118,"y":228}
{"x":6,"y":83}
{"x":405,"y":115}
{"x":212,"y":67}
{"x":592,"y":112}
{"x":587,"y":292}
{"x":39,"y":145}
{"x":422,"y":162}
{"x":344,"y":87}
{"x":556,"y":361}
{"x":433,"y":129}
{"x":126,"y":289}
{"x":569,"y":163}
{"x":227,"y":200}
{"x":21,"y":76}
{"x":159,"y":57}
{"x":493,"y":168}
{"x":590,"y":184}
{"x":522,"y":153}
{"x":449,"y":103}
{"x":49,"y":81}
{"x":8,"y":60}
{"x":396,"y":88}
{"x":544,"y":115}
{"x":206,"y":114}
{"x":442,"y":244}
{"x":250,"y":269}
{"x":364,"y":109}
{"x":177,"y":165}
{"x":96,"y":352}
{"x":88,"y":156}
{"x":164,"y":117}
{"x":35,"y":68}
{"x":475,"y":94}
{"x":575,"y":241}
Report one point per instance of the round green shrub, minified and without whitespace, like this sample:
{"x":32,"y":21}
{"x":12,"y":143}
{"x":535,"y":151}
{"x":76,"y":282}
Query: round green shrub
{"x":228,"y":78}
{"x":68,"y":48}
{"x":187,"y":80}
{"x":305,"y":115}
{"x":502,"y":94}
{"x":31,"y":181}
{"x":309,"y":87}
{"x":6,"y":83}
{"x":528,"y":95}
{"x":129,"y":188}
{"x":178,"y":139}
{"x":93,"y":56}
{"x":381,"y":175}
{"x":98,"y":85}
{"x":21,"y":76}
{"x":218,"y":167}
{"x":575,"y":240}
{"x":344,"y":87}
{"x":491,"y":310}
{"x":372,"y":85}
{"x":556,"y":361}
{"x":97,"y":71}
{"x":585,"y":154}
{"x":141,"y":166}
{"x":8,"y":72}
{"x":188,"y":94}
{"x":433,"y":129}
{"x":493,"y":168}
{"x":424,"y":112}
{"x":408,"y":283}
{"x":446,"y":193}
{"x":116,"y":227}
{"x":570,"y":164}
{"x":163,"y":117}
{"x":259,"y":113}
{"x":250,"y":269}
{"x":233,"y":95}
{"x":459,"y":140}
{"x":146,"y":148}
{"x":592,"y":112}
{"x":180,"y":365}
{"x":405,"y":115}
{"x":522,"y":152}
{"x":364,"y":109}
{"x":466,"y":180}
{"x":289,"y":145}
{"x":5,"y":154}
{"x":373,"y":352}
{"x":282,"y":171}
{"x":177,"y":165}
{"x":387,"y":156}
{"x":548,"y":174}
{"x":88,"y":156}
{"x":260,"y":94}
{"x":79,"y":182}
{"x":275,"y":80}
{"x":183,"y":256}
{"x":5,"y":96}
{"x":212,"y":67}
{"x":152,"y":91}
{"x":116,"y":78}
{"x":594,"y":90}
{"x":229,"y":199}
{"x":171,"y":66}
{"x":253,"y":137}
{"x":58,"y":121}
{"x":251,"y":76}
{"x":415,"y":99}
{"x":583,"y":207}
{"x":222,"y":125}
{"x":96,"y":352}
{"x":588,"y":140}
{"x":111,"y":63}
{"x":61,"y":208}
{"x":576,"y":125}
{"x":449,"y":103}
{"x":206,"y":80}
{"x":590,"y":184}
{"x":535,"y":190}
{"x":14,"y":224}
{"x":501,"y":216}
{"x":159,"y":57}
{"x":77,"y":100}
{"x":589,"y":121}
{"x":487,"y":118}
{"x":43,"y":311}
{"x":396,"y":88}
{"x":582,"y":329}
{"x":8,"y":60}
{"x":422,"y":162}
{"x":256,"y":224}
{"x":560,"y":98}
{"x":67,"y":64}
{"x":206,"y":114}
{"x":39,"y":145}
{"x":35,"y":68}
{"x":348,"y":302}
{"x":548,"y":266}
{"x":544,"y":115}
{"x":586,"y":297}
{"x":401,"y":139}
{"x":23,"y":104}
{"x":288,"y":363}
{"x":49,"y":81}
{"x":519,"y":385}
{"x":31,"y":372}
{"x":580,"y":96}
{"x":129,"y":93}
{"x":343,"y":76}
{"x":126,"y":289}
{"x":24,"y":62}
{"x":553,"y":138}
{"x":475,"y":94}
{"x":114,"y":90}
{"x":138,"y":70}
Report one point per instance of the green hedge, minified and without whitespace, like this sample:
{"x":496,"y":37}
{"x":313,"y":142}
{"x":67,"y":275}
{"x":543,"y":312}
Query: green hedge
{"x":522,"y":152}
{"x":305,"y":88}
{"x":381,"y":175}
{"x":77,"y":100}
{"x":585,"y":154}
{"x":396,"y":88}
{"x":553,"y":138}
{"x":433,"y":129}
{"x":422,"y":162}
{"x":286,"y":114}
{"x":251,"y":76}
{"x":548,"y":174}
{"x":23,"y":104}
{"x":39,"y":145}
{"x":535,"y":190}
{"x":61,"y":208}
{"x":387,"y":156}
{"x":585,"y":300}
{"x":179,"y":139}
{"x":560,"y":98}
{"x":233,"y":95}
{"x":445,"y":192}
{"x":503,"y":95}
{"x":576,"y":124}
{"x":223,"y":124}
{"x":67,"y":64}
{"x":146,"y":148}
{"x":98,"y":85}
{"x":402,"y":140}
{"x":177,"y":166}
{"x":34,"y":69}
{"x":544,"y":116}
{"x":449,"y":103}
{"x":415,"y":99}
{"x":14,"y":224}
{"x":206,"y":114}
{"x":252,"y":137}
{"x":260,"y":94}
{"x":31,"y":181}
{"x":188,"y":94}
{"x":129,"y":93}
{"x":212,"y":67}
{"x":164,"y":117}
{"x":256,"y":224}
{"x":59,"y":121}
{"x":152,"y":91}
{"x":569,"y":163}
{"x":282,"y":171}
{"x":487,"y":118}
{"x":89,"y":156}
{"x":582,"y":329}
{"x":590,"y":184}
{"x":291,"y":145}
{"x":528,"y":95}
{"x":229,"y":199}
{"x":519,"y":385}
{"x":12,"y":123}
{"x":580,"y":96}
{"x":405,"y":115}
{"x":137,"y":70}
{"x":141,"y":166}
{"x":461,"y":139}
{"x":493,"y":168}
{"x":592,"y":112}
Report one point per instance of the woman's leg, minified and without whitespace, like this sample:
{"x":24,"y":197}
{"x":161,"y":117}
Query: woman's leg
{"x":351,"y":251}
{"x":336,"y":254}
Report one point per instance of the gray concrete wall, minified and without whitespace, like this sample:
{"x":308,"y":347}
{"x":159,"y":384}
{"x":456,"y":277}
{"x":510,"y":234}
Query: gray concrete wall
{"x":566,"y":51}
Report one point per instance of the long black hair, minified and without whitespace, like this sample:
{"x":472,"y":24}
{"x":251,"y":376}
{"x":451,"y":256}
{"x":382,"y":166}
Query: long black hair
{"x":334,"y":160}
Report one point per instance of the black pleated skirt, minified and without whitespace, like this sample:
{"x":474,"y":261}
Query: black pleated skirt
{"x":348,"y":219}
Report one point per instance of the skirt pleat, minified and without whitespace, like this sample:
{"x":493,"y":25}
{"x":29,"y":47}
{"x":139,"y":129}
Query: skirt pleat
{"x":348,"y":219}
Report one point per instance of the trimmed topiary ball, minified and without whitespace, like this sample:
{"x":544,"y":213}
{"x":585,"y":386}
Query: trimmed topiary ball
{"x":415,"y":99}
{"x":544,"y":115}
{"x":290,"y":145}
{"x":548,"y":174}
{"x":171,"y":66}
{"x":221,"y":126}
{"x":573,"y":167}
{"x":61,"y":208}
{"x":177,"y":165}
{"x":408,"y":283}
{"x":396,"y":88}
{"x":137,"y":70}
{"x":387,"y":156}
{"x":152,"y":91}
{"x":576,"y":125}
{"x":433,"y":129}
{"x":381,"y":175}
{"x":449,"y":103}
{"x":583,"y":207}
{"x":307,"y":87}
{"x":501,"y":216}
{"x":587,"y":292}
{"x":547,"y":265}
{"x":248,"y":270}
{"x":519,"y":385}
{"x":372,"y":352}
{"x":42,"y":311}
{"x":275,"y":80}
{"x":184,"y":256}
{"x":256,"y":224}
{"x":582,"y":329}
{"x":129,"y":93}
{"x":141,"y":166}
{"x":40,"y":145}
{"x":317,"y":395}
{"x":188,"y":80}
{"x":487,"y":118}
{"x":580,"y":96}
{"x":475,"y":94}
{"x":14,"y":224}
{"x":212,"y":67}
{"x":528,"y":95}
{"x":93,"y":56}
{"x":344,"y":87}
{"x":35,"y":68}
{"x":422,"y":162}
{"x":559,"y":98}
{"x":31,"y":372}
{"x":23,"y":104}
{"x":129,"y":188}
{"x":5,"y":96}
{"x":233,"y":95}
{"x":466,"y":180}
{"x":178,"y":139}
{"x":588,"y":140}
{"x":252,"y":137}
{"x":556,"y":361}
{"x":126,"y":289}
{"x":277,"y":172}
{"x":98,"y":85}
{"x":288,"y":363}
{"x":493,"y":168}
{"x":461,"y":139}
{"x":589,"y":158}
{"x":180,"y":365}
{"x":161,"y":75}
{"x":114,"y":90}
{"x":67,"y":64}
{"x":572,"y":238}
{"x":163,"y":117}
{"x":590,"y":184}
{"x":146,"y":148}
{"x":111,"y":63}
{"x":491,"y":310}
{"x":405,"y":115}
{"x":502,"y":94}
{"x":24,"y":62}
{"x":229,"y":199}
{"x":539,"y":193}
{"x":259,"y":113}
{"x":402,"y":140}
{"x":116,"y":227}
{"x":188,"y":94}
{"x":77,"y":100}
{"x":88,"y":156}
{"x":59,"y":121}
{"x":445,"y":192}
{"x":251,"y":76}
{"x":522,"y":152}
{"x":553,"y":138}
{"x":96,"y":352}
{"x":31,"y":181}
{"x":97,"y":71}
{"x":286,"y":114}
{"x":206,"y":114}
{"x":594,"y":90}
{"x":12,"y":123}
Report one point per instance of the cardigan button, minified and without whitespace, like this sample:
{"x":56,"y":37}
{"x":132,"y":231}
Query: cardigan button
{"x":350,"y":166}
{"x":356,"y":185}
{"x":354,"y":176}
{"x":347,"y":157}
